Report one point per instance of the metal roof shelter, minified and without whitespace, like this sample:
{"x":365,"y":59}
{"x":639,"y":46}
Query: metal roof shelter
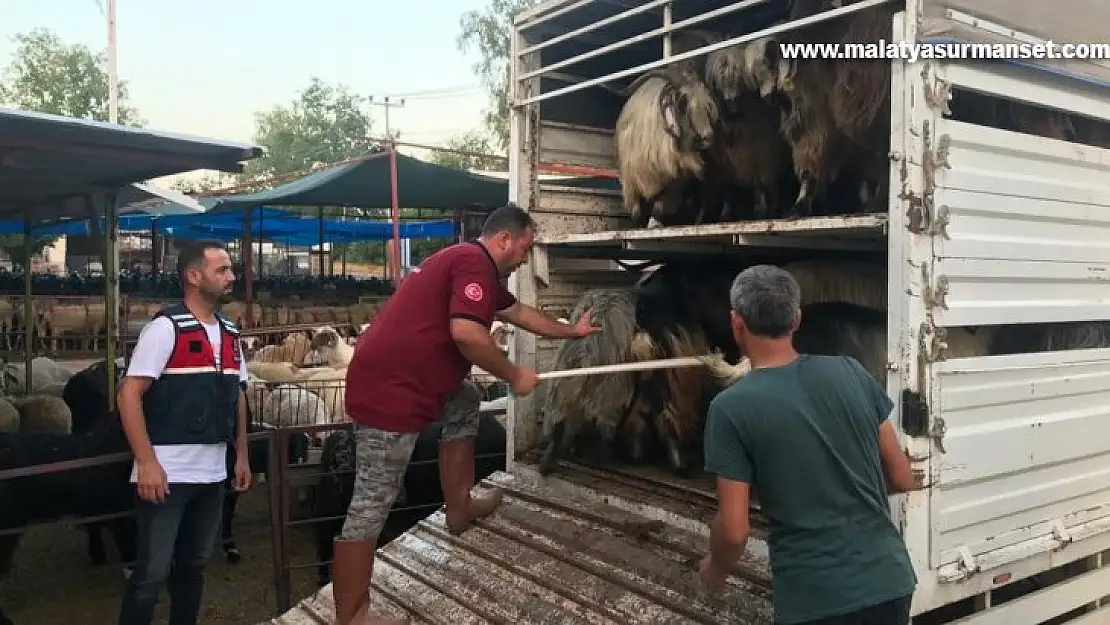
{"x":48,"y":160}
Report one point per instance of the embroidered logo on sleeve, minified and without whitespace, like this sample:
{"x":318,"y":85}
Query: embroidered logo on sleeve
{"x":473,"y":292}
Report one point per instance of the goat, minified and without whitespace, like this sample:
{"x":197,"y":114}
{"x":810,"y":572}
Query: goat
{"x":750,"y":155}
{"x":670,"y":118}
{"x":836,"y":125}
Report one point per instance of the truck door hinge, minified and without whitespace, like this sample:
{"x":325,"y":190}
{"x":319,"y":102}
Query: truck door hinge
{"x":934,"y":292}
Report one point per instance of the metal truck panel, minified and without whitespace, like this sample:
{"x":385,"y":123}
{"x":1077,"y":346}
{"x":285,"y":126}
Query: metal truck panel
{"x":584,"y":547}
{"x":1025,"y":449}
{"x":1023,"y":226}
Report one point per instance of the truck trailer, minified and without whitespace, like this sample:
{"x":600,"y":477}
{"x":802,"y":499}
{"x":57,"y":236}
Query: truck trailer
{"x":983,"y":227}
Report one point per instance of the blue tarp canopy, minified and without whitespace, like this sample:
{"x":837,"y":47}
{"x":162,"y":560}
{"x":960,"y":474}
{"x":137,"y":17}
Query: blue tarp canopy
{"x":266,"y":223}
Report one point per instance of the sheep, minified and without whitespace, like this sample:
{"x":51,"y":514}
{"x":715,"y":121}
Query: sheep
{"x":330,"y":386}
{"x":421,"y":493}
{"x":9,"y":417}
{"x":663,"y":127}
{"x":290,"y":405}
{"x":278,"y":372}
{"x":43,"y":414}
{"x":45,"y":375}
{"x":293,"y":348}
{"x":329,"y":349}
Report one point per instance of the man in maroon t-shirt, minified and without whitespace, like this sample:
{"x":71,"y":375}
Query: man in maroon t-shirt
{"x":409,"y":370}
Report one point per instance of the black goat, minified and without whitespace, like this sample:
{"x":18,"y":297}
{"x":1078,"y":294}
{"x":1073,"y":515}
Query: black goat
{"x":258,"y":456}
{"x":420,"y":496}
{"x":90,"y":491}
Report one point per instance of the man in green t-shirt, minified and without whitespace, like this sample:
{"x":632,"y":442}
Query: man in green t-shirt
{"x":810,"y":436}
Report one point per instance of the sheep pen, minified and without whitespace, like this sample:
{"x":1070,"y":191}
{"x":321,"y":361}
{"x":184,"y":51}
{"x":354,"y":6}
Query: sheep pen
{"x":41,"y":560}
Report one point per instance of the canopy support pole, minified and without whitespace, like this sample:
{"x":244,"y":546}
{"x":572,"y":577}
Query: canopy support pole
{"x":320,"y":238}
{"x":110,"y":266}
{"x":246,"y":255}
{"x":395,"y":214}
{"x":28,"y":309}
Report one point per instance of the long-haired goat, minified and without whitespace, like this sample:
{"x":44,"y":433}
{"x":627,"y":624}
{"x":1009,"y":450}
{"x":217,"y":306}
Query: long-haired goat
{"x":836,"y":125}
{"x":750,"y":156}
{"x":668,"y":121}
{"x":597,"y":401}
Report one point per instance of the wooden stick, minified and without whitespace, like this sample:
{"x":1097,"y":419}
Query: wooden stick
{"x":627,"y":367}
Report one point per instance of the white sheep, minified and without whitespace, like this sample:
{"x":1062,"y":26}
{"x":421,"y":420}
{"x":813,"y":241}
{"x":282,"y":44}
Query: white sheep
{"x":43,"y":414}
{"x":44,"y":373}
{"x":330,"y":385}
{"x":292,"y":349}
{"x":290,"y":405}
{"x":329,"y":349}
{"x":275,"y":371}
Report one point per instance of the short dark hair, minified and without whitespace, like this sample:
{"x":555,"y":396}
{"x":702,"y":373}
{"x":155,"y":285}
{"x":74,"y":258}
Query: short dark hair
{"x":766,"y":298}
{"x":508,"y":218}
{"x":192,"y":253}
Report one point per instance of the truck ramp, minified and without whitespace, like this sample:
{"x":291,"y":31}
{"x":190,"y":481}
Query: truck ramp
{"x":581,"y":546}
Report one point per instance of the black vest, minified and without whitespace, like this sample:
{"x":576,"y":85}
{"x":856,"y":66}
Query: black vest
{"x":194,"y":401}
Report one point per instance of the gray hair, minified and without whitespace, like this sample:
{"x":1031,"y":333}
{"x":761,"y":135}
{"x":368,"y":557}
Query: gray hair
{"x":766,"y":298}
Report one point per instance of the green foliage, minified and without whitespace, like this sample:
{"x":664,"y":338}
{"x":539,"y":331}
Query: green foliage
{"x":490,"y":32}
{"x":323,"y":125}
{"x":476,"y":145}
{"x":46,"y":75}
{"x":49,"y":76}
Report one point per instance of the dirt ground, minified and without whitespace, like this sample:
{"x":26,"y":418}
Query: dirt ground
{"x":53,"y":582}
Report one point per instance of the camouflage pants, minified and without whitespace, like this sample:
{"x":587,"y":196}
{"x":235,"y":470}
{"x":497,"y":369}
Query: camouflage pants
{"x":382,"y":458}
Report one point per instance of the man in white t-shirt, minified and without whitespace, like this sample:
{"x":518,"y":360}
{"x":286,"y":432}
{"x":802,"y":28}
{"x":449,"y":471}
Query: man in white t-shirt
{"x":181,"y":403}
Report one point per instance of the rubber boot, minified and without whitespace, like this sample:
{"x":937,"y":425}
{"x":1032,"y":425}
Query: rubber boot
{"x":456,"y":476}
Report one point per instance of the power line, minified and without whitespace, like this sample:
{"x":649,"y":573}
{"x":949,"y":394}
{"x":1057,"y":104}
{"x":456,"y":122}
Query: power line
{"x":439,"y":91}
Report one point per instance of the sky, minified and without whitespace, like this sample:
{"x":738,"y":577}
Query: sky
{"x":205,"y":67}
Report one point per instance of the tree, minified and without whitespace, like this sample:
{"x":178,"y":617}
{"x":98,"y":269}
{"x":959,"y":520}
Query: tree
{"x":323,"y":125}
{"x":489,"y":31}
{"x":207,"y":182}
{"x":476,"y":145}
{"x":49,"y":76}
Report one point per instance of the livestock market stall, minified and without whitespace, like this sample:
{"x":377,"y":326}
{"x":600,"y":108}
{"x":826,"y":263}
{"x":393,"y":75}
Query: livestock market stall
{"x":52,"y":169}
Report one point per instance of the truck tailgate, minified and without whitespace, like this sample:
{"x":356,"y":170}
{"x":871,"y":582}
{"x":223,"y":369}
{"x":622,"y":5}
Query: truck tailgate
{"x":581,"y":546}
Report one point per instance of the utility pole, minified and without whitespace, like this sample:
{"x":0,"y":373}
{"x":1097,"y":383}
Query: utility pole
{"x":113,"y":78}
{"x":386,"y":104}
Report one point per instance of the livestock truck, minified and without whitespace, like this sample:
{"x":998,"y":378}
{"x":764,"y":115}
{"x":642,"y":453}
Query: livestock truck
{"x":984,"y":227}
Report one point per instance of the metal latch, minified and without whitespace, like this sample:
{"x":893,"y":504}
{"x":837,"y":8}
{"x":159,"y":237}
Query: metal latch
{"x":1061,"y":533}
{"x":966,"y":562}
